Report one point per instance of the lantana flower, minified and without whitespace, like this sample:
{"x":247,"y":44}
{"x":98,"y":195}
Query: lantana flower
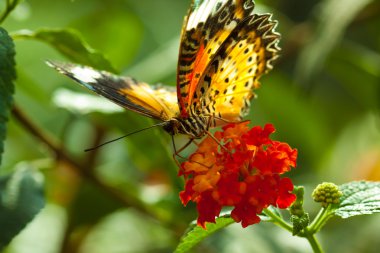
{"x":240,"y":168}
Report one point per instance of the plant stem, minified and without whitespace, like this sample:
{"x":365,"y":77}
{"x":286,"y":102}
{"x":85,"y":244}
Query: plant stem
{"x":61,"y":153}
{"x":313,"y":241}
{"x":308,"y":233}
{"x":319,"y":220}
{"x":278,"y":220}
{"x":316,"y":220}
{"x":10,"y":5}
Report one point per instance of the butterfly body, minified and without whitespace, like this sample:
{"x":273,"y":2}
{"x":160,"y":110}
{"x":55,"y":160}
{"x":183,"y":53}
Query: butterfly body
{"x":224,"y":50}
{"x":194,"y":126}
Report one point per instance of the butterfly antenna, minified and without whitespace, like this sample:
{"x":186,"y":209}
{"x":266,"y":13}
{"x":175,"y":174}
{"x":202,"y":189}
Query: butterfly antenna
{"x":135,"y":132}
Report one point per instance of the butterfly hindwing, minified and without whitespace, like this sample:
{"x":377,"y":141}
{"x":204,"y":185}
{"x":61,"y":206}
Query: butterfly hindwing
{"x":159,"y":102}
{"x":207,"y":26}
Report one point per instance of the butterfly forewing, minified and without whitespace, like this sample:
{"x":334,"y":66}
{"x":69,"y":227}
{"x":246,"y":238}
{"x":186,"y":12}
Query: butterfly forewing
{"x":227,"y":87}
{"x":159,"y":102}
{"x":207,"y":26}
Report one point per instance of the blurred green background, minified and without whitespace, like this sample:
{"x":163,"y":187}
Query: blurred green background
{"x":323,"y":96}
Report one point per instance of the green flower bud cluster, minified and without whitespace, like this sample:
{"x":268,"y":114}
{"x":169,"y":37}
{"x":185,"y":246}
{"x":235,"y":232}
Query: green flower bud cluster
{"x":327,"y":193}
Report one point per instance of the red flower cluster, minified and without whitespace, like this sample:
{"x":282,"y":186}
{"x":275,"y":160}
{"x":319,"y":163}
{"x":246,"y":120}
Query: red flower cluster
{"x":242,"y":171}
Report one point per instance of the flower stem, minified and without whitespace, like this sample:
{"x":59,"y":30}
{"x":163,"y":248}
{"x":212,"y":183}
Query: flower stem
{"x":308,"y":232}
{"x":320,"y":220}
{"x":313,"y":241}
{"x":278,"y":220}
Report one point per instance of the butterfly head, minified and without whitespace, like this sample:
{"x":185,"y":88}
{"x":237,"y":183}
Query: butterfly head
{"x":195,"y":126}
{"x":172,"y":126}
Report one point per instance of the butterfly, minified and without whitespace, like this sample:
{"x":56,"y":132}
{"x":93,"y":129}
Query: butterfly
{"x":224,"y":49}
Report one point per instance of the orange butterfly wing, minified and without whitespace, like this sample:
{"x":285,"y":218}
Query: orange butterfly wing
{"x":225,"y":48}
{"x":158,"y":102}
{"x":227,"y":87}
{"x":206,"y":28}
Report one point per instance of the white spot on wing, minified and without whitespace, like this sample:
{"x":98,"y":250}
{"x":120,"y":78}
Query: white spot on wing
{"x":200,"y":15}
{"x":85,"y":74}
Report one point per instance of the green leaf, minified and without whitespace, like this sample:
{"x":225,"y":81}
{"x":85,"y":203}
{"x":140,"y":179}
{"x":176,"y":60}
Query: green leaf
{"x":196,"y":234}
{"x":7,"y":75}
{"x":70,"y":43}
{"x":20,"y":200}
{"x":359,"y":198}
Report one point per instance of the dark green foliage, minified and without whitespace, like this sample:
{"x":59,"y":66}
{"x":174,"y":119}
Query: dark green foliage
{"x":7,"y":76}
{"x":21,"y":199}
{"x":71,"y":44}
{"x":196,"y":234}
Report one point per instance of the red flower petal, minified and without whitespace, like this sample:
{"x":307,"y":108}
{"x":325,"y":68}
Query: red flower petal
{"x":208,"y":209}
{"x":258,"y":136}
{"x":285,"y":197}
{"x":186,"y":195}
{"x":246,"y":214}
{"x":229,"y":191}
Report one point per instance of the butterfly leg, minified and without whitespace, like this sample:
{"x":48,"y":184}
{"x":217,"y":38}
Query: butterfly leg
{"x":217,"y":141}
{"x":177,"y":152}
{"x":210,"y":120}
{"x":227,"y":121}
